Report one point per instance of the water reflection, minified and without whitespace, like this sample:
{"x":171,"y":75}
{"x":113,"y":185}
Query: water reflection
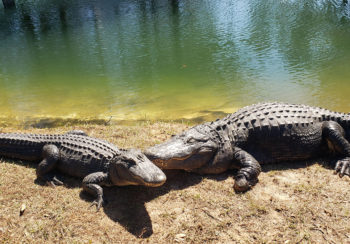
{"x":170,"y":59}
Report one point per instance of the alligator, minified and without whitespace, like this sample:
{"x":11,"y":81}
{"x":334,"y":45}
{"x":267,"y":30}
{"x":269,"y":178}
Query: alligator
{"x":258,"y":134}
{"x":74,"y":153}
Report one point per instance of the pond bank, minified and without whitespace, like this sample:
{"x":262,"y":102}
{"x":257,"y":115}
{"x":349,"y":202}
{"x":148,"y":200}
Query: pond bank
{"x":59,"y":121}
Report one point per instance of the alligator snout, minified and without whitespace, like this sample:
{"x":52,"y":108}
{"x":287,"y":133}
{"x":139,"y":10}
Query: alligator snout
{"x":148,"y":174}
{"x":155,"y":180}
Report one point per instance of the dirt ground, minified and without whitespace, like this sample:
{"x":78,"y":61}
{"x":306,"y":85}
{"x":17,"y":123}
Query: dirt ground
{"x":292,"y":203}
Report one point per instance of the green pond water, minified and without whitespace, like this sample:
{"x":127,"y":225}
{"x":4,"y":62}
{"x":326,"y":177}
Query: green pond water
{"x":170,"y":60}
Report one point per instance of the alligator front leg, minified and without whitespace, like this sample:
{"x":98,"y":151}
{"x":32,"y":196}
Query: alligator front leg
{"x":92,"y":184}
{"x":248,"y":170}
{"x":334,"y":134}
{"x":50,"y":155}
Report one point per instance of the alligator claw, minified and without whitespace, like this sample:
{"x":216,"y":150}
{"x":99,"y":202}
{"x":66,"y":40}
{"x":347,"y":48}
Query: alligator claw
{"x":57,"y":181}
{"x":98,"y":203}
{"x":342,"y":167}
{"x":52,"y":181}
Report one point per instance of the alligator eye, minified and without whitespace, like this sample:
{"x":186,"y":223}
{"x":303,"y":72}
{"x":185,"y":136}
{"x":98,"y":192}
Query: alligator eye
{"x":191,"y":140}
{"x":130,"y":162}
{"x":205,"y":139}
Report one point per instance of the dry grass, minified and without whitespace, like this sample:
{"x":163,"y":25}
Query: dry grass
{"x":290,"y":204}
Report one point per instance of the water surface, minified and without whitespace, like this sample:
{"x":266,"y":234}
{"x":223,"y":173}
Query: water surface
{"x":185,"y":59}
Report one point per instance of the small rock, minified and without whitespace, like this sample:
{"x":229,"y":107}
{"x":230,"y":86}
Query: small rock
{"x":180,"y":237}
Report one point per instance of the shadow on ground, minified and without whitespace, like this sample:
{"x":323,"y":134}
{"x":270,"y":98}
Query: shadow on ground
{"x":324,"y":162}
{"x":126,"y":205}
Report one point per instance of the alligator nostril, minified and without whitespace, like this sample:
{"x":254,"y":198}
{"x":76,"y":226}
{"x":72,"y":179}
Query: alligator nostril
{"x":149,"y":153}
{"x":160,"y":178}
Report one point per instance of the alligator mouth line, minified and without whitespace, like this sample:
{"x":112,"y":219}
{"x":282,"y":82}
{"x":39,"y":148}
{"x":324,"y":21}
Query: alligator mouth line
{"x":198,"y":151}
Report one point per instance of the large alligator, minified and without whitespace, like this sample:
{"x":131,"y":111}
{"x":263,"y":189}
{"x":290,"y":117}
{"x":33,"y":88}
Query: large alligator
{"x":258,"y":134}
{"x":98,"y":162}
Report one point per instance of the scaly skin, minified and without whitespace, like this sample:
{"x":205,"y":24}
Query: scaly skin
{"x":258,"y":134}
{"x":98,"y":162}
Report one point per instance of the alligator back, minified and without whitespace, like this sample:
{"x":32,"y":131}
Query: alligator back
{"x":79,"y":155}
{"x":272,"y":132}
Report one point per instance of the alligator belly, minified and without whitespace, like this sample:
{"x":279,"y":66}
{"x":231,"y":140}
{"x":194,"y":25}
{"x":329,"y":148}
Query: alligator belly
{"x":297,"y":143}
{"x":285,"y":152}
{"x":23,"y":153}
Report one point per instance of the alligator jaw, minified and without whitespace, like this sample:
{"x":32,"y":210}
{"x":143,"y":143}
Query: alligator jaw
{"x":178,"y":153}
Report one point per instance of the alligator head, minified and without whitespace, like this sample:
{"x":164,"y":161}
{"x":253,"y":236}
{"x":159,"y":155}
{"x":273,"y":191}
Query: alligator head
{"x":132,"y":167}
{"x":189,"y":150}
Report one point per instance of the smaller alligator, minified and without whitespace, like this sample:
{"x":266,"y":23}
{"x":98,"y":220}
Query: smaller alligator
{"x":258,"y":134}
{"x":98,"y":162}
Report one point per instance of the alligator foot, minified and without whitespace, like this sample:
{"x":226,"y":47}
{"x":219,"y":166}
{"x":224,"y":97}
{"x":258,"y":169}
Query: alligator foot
{"x":242,"y":184}
{"x":342,"y":167}
{"x":98,"y":203}
{"x":52,"y":181}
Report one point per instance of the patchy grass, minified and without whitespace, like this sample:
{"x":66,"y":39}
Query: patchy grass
{"x":292,"y":203}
